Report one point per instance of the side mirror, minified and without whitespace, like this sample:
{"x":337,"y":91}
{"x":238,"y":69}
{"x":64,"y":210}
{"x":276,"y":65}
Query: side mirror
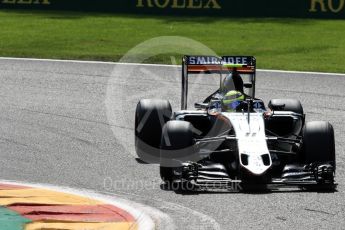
{"x":277,"y":107}
{"x":248,"y":85}
{"x":201,"y":105}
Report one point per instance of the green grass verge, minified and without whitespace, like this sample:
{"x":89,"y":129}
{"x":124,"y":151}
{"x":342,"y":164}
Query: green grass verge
{"x":288,"y":44}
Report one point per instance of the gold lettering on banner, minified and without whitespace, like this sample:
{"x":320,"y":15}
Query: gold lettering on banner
{"x":26,"y":2}
{"x":214,"y":3}
{"x":321,"y":4}
{"x":191,"y":4}
{"x":175,"y":4}
{"x":179,"y":6}
{"x":141,"y":3}
{"x":164,"y":5}
{"x":336,"y":10}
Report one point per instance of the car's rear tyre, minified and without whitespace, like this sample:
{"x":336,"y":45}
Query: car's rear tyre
{"x":292,"y":105}
{"x":150,"y":117}
{"x":176,"y":145}
{"x":318,"y":143}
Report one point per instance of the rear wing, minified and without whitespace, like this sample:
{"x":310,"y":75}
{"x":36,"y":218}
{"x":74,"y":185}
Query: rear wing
{"x":215,"y":65}
{"x":226,"y":64}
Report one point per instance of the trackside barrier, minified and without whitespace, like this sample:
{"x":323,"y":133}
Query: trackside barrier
{"x":224,"y":8}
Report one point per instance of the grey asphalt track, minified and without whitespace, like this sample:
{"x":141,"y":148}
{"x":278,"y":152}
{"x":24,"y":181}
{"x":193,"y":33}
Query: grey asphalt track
{"x":71,"y":124}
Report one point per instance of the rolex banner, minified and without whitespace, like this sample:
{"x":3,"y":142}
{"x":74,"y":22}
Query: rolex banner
{"x":227,"y":8}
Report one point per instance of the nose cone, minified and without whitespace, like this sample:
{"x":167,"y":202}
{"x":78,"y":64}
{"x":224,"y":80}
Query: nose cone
{"x":256,"y":164}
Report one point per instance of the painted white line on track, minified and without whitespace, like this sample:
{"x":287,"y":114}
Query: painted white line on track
{"x":163,"y":222}
{"x":160,"y":65}
{"x":55,"y":60}
{"x":85,"y":62}
{"x":138,"y":211}
{"x":299,"y":72}
{"x":204,"y":220}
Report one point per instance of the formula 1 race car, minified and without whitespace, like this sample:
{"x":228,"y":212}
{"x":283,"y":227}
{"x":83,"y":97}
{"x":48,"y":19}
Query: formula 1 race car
{"x":254,"y":145}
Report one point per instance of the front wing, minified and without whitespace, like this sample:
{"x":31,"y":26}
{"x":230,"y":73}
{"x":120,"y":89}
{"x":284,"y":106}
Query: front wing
{"x":314,"y":176}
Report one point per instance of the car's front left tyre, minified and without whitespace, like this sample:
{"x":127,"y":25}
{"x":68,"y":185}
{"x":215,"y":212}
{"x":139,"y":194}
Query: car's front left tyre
{"x":318,"y":143}
{"x":318,"y":151}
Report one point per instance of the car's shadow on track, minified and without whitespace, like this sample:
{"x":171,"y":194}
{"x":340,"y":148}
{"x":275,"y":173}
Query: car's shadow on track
{"x":258,"y":191}
{"x":141,"y":161}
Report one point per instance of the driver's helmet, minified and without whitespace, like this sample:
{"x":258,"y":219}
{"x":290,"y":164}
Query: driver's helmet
{"x":233,"y":81}
{"x":232,"y":100}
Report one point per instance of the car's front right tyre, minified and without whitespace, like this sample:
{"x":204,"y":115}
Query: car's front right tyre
{"x":177,"y":144}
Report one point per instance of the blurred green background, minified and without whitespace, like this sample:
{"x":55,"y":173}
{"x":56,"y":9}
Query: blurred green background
{"x":287,"y":44}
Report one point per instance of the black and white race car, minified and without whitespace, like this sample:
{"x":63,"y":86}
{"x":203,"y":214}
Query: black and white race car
{"x":254,"y":145}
